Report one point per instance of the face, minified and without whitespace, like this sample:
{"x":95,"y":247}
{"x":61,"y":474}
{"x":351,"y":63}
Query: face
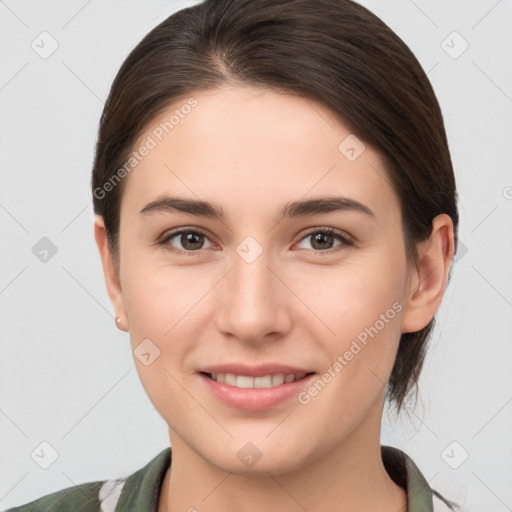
{"x":301,"y":272}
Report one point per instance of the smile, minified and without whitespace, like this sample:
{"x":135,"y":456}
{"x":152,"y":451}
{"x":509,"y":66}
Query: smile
{"x":264,"y":381}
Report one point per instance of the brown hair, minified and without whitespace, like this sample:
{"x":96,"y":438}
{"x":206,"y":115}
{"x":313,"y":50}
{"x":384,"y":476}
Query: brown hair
{"x":332,"y":51}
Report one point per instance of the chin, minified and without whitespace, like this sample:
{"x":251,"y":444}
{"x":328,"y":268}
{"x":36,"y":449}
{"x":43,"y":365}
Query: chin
{"x":259,"y":457}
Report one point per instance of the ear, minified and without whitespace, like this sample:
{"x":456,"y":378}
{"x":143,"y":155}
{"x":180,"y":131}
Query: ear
{"x":111,"y":273}
{"x":427,"y":283}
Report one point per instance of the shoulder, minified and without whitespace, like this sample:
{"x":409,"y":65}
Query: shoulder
{"x":92,"y":496}
{"x":79,"y":498}
{"x":138,"y":491}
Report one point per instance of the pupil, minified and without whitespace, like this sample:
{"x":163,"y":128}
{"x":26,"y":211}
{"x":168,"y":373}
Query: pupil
{"x":191,"y":239}
{"x":322,"y":237}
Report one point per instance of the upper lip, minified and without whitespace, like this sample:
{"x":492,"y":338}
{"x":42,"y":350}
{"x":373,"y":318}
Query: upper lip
{"x":255,"y":371}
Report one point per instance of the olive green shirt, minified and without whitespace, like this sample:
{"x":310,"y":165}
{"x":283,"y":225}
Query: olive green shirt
{"x":140,"y":491}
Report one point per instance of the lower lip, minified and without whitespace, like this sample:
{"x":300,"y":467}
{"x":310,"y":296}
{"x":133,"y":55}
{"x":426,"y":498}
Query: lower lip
{"x":255,"y":399}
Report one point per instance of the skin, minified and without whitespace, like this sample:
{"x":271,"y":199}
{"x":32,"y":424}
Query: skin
{"x":251,"y":151}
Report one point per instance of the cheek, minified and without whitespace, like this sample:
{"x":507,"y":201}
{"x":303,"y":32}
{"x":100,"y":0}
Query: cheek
{"x":361,"y":349}
{"x":354,"y":296}
{"x":159,"y":298}
{"x":162,"y":308}
{"x":360,"y":308}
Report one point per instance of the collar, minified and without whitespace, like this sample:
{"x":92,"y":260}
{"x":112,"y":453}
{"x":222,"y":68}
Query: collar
{"x":405,"y":473}
{"x":141,"y":490}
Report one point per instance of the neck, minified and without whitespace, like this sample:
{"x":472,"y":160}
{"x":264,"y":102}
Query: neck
{"x":351,"y":476}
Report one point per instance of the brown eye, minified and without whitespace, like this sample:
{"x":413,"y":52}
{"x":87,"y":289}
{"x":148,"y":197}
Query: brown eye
{"x":323,"y":240}
{"x":187,"y":239}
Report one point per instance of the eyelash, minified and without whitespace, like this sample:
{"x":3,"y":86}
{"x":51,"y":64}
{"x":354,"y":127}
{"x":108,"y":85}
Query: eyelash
{"x":345,"y":241}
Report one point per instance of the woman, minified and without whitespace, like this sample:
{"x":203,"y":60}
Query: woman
{"x":276,"y":219}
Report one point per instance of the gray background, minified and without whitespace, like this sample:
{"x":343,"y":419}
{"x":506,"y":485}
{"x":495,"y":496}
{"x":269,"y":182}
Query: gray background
{"x":66,"y":372}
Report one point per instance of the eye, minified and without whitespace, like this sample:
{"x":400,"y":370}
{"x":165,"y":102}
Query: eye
{"x":192,"y":240}
{"x":322,"y":240}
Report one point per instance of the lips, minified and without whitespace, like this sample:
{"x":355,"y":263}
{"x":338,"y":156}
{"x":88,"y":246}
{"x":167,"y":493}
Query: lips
{"x":255,"y":388}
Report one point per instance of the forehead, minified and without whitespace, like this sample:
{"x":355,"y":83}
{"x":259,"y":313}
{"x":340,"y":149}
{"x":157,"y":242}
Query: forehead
{"x":254,"y":146}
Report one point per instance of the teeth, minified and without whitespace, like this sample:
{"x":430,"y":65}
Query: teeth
{"x":265,"y":381}
{"x":229,"y":379}
{"x":278,"y":379}
{"x":244,"y":382}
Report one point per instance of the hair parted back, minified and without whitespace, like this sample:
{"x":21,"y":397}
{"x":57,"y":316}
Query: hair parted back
{"x":332,"y":51}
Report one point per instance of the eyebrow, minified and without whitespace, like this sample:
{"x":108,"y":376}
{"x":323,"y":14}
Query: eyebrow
{"x":294,"y":209}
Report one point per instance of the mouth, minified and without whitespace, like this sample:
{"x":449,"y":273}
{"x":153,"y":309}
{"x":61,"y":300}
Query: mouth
{"x":255,"y":387}
{"x":260,"y":382}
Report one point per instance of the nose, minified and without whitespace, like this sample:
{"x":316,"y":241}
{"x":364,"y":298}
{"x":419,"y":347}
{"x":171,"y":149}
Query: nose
{"x":254,"y":301}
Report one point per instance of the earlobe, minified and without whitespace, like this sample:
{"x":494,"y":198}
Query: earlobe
{"x":112,"y":278}
{"x":428,"y":281}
